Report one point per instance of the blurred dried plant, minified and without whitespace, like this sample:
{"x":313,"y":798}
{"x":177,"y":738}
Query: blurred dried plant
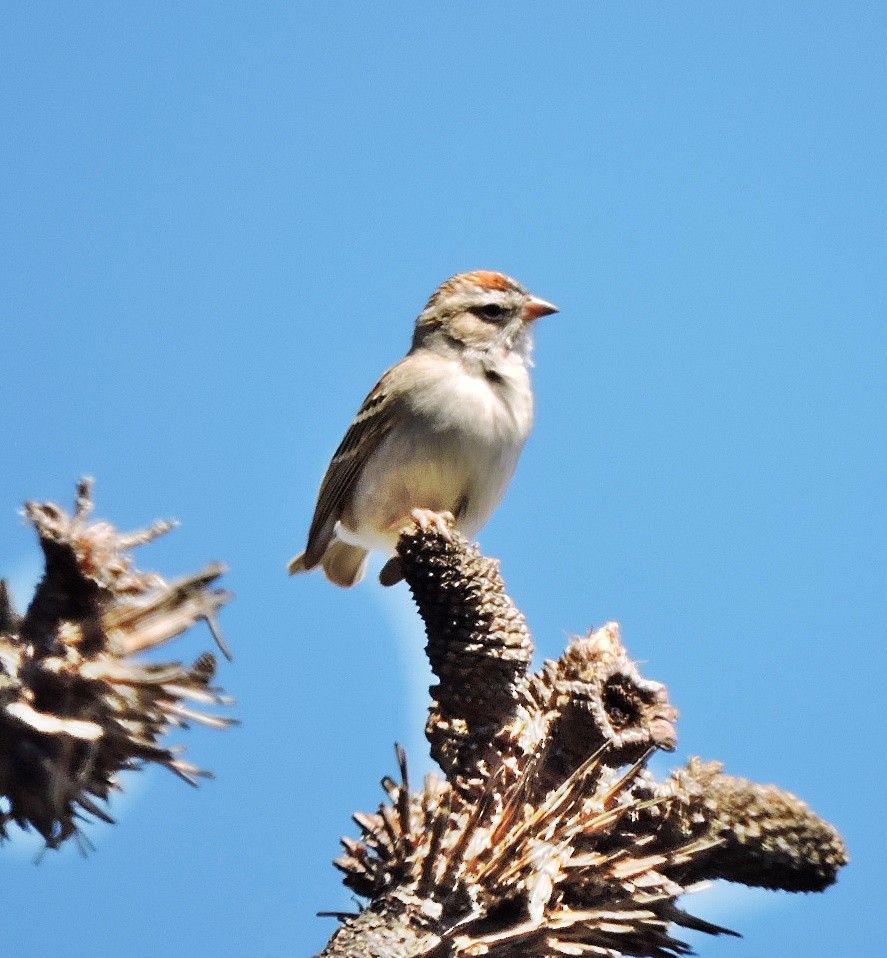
{"x":76,"y":704}
{"x":549,"y":836}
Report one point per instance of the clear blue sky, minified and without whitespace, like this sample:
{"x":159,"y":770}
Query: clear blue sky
{"x":218,"y":223}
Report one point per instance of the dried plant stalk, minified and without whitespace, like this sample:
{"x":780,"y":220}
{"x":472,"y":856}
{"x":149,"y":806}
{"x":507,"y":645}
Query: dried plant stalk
{"x":76,"y":707}
{"x":549,"y":836}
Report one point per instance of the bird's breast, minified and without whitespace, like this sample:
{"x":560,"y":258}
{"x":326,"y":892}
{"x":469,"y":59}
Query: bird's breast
{"x":454,"y":449}
{"x":494,"y":406}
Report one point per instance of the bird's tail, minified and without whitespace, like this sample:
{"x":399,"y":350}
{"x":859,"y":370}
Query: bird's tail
{"x":342,"y":564}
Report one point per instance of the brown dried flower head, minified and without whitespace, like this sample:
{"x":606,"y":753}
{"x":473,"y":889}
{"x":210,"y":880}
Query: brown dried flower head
{"x":550,"y":836}
{"x":76,"y":705}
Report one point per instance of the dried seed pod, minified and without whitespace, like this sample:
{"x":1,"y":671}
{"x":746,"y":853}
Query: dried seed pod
{"x":602,"y":699}
{"x":765,"y":836}
{"x":479,"y":645}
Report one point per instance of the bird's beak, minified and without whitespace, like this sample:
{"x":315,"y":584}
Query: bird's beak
{"x":535,"y":308}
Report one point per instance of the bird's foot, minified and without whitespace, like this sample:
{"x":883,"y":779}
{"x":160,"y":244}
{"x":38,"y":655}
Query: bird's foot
{"x":422,"y":519}
{"x":441,"y":522}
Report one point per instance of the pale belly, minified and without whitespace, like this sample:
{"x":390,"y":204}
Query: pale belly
{"x":464,"y":470}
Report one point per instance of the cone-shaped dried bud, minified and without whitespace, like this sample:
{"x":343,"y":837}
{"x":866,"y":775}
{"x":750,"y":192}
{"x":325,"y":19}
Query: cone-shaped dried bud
{"x":765,"y":836}
{"x":478,"y":643}
{"x":75,"y":707}
{"x":602,"y":699}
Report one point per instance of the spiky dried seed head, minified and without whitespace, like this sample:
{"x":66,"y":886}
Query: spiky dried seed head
{"x":550,"y":836}
{"x":75,"y":707}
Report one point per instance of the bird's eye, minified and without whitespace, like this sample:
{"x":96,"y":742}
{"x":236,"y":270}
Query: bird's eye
{"x":490,"y":311}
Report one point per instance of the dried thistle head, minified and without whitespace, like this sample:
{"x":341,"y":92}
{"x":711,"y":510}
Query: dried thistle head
{"x":76,"y":706}
{"x":593,"y":866}
{"x":765,"y":836}
{"x":505,"y":876}
{"x":550,"y":836}
{"x":600,"y":699}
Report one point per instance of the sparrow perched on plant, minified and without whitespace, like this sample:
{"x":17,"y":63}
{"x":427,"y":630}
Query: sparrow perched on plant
{"x":441,"y":432}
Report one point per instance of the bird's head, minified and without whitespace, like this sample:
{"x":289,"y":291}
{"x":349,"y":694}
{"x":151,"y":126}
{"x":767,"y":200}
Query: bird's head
{"x":479,"y":312}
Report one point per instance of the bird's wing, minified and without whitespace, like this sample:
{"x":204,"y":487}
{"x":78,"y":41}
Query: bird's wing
{"x":371,"y":425}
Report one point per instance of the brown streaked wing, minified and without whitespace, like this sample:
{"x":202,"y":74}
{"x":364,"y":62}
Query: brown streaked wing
{"x":371,"y":425}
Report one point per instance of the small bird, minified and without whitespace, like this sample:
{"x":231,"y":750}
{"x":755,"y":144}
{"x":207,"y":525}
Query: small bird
{"x":438,"y":437}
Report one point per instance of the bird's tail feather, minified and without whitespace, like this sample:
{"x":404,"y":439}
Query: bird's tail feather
{"x":344,"y":564}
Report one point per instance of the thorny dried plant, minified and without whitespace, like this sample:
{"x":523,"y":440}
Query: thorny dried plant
{"x":549,"y":836}
{"x":77,"y":705}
